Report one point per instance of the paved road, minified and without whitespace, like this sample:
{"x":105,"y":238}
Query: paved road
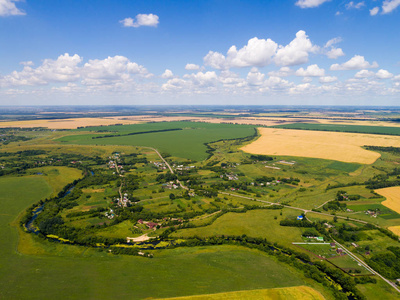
{"x":367,"y":267}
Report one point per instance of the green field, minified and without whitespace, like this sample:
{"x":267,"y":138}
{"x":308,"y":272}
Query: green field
{"x":385,"y":212}
{"x":80,"y":272}
{"x":345,"y":167}
{"x":255,"y":223}
{"x":186,"y":143}
{"x":343,"y":128}
{"x":345,"y":262}
{"x":323,"y":250}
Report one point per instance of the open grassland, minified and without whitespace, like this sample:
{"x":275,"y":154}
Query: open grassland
{"x":69,"y":272}
{"x":297,"y":292}
{"x":339,"y":146}
{"x":187,"y":143}
{"x":322,"y":250}
{"x":344,"y":128}
{"x":255,"y":223}
{"x":346,"y":263}
{"x":56,"y":177}
{"x":379,"y":290}
{"x":392,"y":195}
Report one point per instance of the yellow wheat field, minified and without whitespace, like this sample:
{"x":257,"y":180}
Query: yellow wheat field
{"x":72,"y":123}
{"x":339,"y":146}
{"x":258,"y":121}
{"x":395,"y":230}
{"x":295,"y":292}
{"x":392,"y":195}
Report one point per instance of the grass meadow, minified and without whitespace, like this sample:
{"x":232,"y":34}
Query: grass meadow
{"x":254,"y":223}
{"x":186,"y":143}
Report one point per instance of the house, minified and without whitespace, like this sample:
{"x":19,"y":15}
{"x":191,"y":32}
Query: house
{"x":151,"y":225}
{"x":339,"y":251}
{"x":354,"y":245}
{"x":333,"y":245}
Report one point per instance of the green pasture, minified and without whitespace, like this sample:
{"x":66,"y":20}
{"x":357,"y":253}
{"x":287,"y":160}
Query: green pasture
{"x":345,"y":262}
{"x":124,"y":129}
{"x":254,"y":223}
{"x":323,"y":250}
{"x":343,"y":166}
{"x":56,"y":177}
{"x":377,"y":241}
{"x":186,"y":143}
{"x":343,"y":128}
{"x":385,"y":212}
{"x":380,"y":290}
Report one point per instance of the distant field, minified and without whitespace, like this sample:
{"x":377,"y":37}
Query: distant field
{"x":345,"y":147}
{"x":343,"y":128}
{"x":67,"y":123}
{"x":392,"y":195}
{"x":186,"y":143}
{"x":296,"y":292}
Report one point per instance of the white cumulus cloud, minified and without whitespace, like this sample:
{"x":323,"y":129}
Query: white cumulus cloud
{"x":254,"y":77}
{"x":257,"y":53}
{"x":215,"y":60}
{"x":63,"y":69}
{"x":311,"y":71}
{"x":106,"y":73}
{"x":111,"y":69}
{"x":383,"y":74}
{"x":282,"y":72}
{"x":328,"y":79}
{"x":333,"y":52}
{"x":357,"y":62}
{"x":8,"y":8}
{"x":296,"y":52}
{"x":374,"y":11}
{"x":141,"y":20}
{"x":167,"y":74}
{"x":310,"y":3}
{"x":192,"y":67}
{"x":389,"y":5}
{"x":364,"y":74}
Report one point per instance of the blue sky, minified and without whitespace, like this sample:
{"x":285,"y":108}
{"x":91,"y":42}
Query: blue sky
{"x":200,"y":52}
